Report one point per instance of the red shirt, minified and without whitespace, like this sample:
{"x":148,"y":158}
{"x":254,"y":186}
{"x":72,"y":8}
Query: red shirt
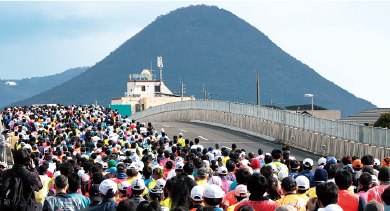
{"x":259,"y":205}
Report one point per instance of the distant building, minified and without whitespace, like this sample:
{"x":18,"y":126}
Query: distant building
{"x":319,"y":111}
{"x":365,"y":117}
{"x":143,"y":92}
{"x":10,"y":83}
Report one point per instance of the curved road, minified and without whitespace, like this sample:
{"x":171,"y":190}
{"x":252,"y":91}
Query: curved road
{"x":210,"y":135}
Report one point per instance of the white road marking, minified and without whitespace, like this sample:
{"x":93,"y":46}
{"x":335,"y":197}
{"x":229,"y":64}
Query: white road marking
{"x":166,"y":126}
{"x":203,"y":138}
{"x":183,"y":130}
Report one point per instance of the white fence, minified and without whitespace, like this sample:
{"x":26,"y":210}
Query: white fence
{"x":361,"y":134}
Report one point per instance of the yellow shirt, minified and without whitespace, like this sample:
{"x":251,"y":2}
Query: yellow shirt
{"x":303,"y":196}
{"x":292,"y":199}
{"x":225,"y":159}
{"x":167,"y":203}
{"x":311,"y":192}
{"x":182,"y":142}
{"x":231,"y":208}
{"x":203,"y":183}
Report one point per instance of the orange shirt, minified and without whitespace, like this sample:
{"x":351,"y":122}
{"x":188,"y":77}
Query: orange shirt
{"x":348,"y":200}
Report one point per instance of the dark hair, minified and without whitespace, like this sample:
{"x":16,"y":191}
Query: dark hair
{"x":346,"y":160}
{"x":266,"y":171}
{"x":22,"y":157}
{"x":230,"y":165}
{"x":205,"y":209}
{"x":198,"y":163}
{"x":386,"y":196}
{"x":181,"y":195}
{"x":181,"y":209}
{"x":131,"y":172}
{"x":136,"y":192}
{"x":267,"y":159}
{"x":331,"y":169}
{"x":273,"y":191}
{"x":147,"y":172}
{"x":343,"y":179}
{"x":126,"y":205}
{"x":257,"y":185}
{"x":293,"y":165}
{"x":367,"y":160}
{"x":213,"y":201}
{"x":169,"y":165}
{"x":242,"y":176}
{"x":276,"y":154}
{"x":365,"y":178}
{"x":97,"y":178}
{"x":149,"y":206}
{"x":61,"y":182}
{"x":189,"y":168}
{"x":327,"y":193}
{"x":66,"y":168}
{"x":74,"y":182}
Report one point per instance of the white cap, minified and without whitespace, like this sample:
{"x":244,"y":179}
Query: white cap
{"x":56,"y":174}
{"x":377,"y":162}
{"x":197,"y":193}
{"x":273,"y":166}
{"x":322,"y":161}
{"x":302,"y":181}
{"x":140,"y":165}
{"x":132,"y":167}
{"x":206,"y":163}
{"x":106,"y":186}
{"x":81,"y":173}
{"x":215,"y":180}
{"x":160,"y":183}
{"x":98,"y":150}
{"x":181,"y":134}
{"x":222,"y":170}
{"x":241,"y":190}
{"x":282,"y":174}
{"x":179,"y":160}
{"x":124,"y":185}
{"x":374,"y":179}
{"x":137,"y":184}
{"x":307,"y":162}
{"x":213,"y":192}
{"x":104,"y":165}
{"x":179,"y":165}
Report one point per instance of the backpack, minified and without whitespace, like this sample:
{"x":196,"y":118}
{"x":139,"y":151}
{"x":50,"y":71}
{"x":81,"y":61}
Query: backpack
{"x":12,"y":197}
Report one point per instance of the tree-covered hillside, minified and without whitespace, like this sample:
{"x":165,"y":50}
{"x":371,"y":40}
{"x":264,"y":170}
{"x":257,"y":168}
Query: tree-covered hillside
{"x":205,"y":44}
{"x":28,"y":87}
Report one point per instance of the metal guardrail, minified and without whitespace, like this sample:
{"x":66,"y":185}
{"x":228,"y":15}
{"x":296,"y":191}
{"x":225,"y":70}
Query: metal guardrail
{"x":358,"y":133}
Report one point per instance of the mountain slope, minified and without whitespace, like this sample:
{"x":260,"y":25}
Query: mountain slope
{"x":205,"y":44}
{"x":28,"y":87}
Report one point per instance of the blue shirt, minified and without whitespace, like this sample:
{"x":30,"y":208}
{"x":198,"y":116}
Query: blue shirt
{"x":105,"y":205}
{"x":85,"y":202}
{"x":61,"y":202}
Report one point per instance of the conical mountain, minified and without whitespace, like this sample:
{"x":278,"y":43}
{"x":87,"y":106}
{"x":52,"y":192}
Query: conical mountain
{"x":205,"y":44}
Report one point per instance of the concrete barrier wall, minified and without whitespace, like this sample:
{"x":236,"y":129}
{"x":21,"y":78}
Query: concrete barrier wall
{"x":302,"y":139}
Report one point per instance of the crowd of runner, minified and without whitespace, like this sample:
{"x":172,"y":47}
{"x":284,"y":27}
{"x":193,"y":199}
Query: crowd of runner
{"x":69,"y":158}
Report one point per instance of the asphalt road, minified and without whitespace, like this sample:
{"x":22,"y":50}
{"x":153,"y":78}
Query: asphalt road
{"x":210,"y":135}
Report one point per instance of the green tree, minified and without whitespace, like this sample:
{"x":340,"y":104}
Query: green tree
{"x":383,"y":121}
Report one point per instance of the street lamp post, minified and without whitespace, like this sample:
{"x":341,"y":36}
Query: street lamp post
{"x":312,"y":105}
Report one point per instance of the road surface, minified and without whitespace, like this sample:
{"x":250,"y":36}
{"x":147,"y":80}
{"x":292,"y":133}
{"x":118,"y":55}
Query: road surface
{"x":210,"y":135}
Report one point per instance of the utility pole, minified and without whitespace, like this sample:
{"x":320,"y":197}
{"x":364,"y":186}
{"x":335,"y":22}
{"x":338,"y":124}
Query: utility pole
{"x":258,"y":90}
{"x":96,"y":103}
{"x":204,"y":92}
{"x":182,"y":91}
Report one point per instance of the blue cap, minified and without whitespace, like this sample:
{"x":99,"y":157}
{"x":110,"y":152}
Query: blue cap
{"x":331,"y":159}
{"x":210,"y":149}
{"x":260,"y":151}
{"x":320,"y":175}
{"x":112,"y":170}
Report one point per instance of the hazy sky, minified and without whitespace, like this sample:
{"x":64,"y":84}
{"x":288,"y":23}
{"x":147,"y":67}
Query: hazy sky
{"x":346,"y":42}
